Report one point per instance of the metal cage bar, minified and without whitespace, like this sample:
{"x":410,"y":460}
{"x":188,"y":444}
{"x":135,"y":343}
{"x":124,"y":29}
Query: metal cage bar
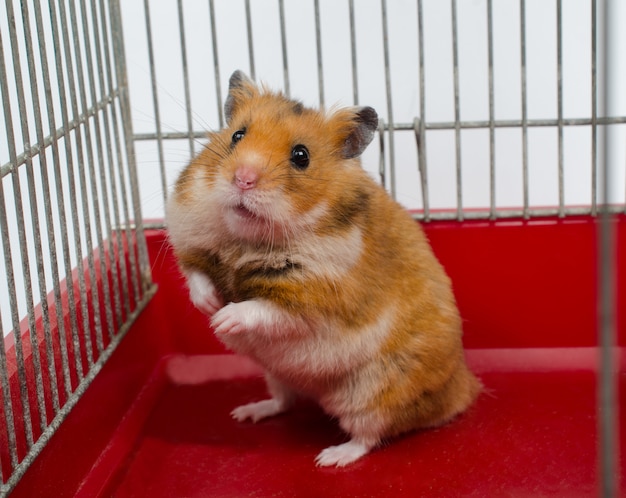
{"x":457,"y":111}
{"x":492,"y":126}
{"x":560,"y":122}
{"x":15,"y":319}
{"x":389,"y":98}
{"x":183,"y":55}
{"x":283,"y":43}
{"x":607,"y":381}
{"x":423,"y":126}
{"x":594,"y":109}
{"x":420,"y":131}
{"x":559,"y":79}
{"x":155,"y":97}
{"x":250,"y":40}
{"x":66,"y":102}
{"x":524,"y":110}
{"x":70,"y":217}
{"x":216,"y":64}
{"x":353,"y":55}
{"x":318,"y":47}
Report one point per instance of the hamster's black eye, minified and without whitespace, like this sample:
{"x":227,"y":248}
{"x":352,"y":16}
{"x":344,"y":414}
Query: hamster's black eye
{"x":300,"y":156}
{"x":238,"y":135}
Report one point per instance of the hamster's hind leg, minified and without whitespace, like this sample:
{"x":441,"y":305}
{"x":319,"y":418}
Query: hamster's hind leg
{"x":366,"y":430}
{"x":282,"y":398}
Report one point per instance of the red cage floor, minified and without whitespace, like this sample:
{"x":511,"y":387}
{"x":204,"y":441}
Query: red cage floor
{"x":531,"y":434}
{"x":155,"y":421}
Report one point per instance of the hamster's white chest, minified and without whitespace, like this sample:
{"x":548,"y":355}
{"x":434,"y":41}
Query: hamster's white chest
{"x":297,"y":349}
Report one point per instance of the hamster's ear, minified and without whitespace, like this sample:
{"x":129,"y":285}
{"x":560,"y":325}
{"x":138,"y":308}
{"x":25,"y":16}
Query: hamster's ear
{"x":364,"y":124}
{"x":239,"y":86}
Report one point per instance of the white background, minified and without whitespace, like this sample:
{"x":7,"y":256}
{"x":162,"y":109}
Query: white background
{"x":232,"y":49}
{"x":541,"y":50}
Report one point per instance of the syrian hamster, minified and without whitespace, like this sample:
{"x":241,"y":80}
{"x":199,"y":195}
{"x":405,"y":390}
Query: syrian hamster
{"x":305,"y":264}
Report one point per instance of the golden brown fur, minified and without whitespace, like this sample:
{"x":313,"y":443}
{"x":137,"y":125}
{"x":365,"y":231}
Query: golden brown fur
{"x":351,"y":305}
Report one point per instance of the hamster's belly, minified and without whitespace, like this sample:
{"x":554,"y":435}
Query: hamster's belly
{"x":308,"y":358}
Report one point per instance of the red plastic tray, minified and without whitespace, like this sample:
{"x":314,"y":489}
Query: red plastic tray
{"x":155,"y":421}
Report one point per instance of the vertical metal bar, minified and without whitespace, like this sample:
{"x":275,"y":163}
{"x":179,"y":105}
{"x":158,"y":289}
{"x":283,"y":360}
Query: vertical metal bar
{"x":48,"y":208}
{"x":59,"y":190}
{"x":83,"y":165}
{"x":608,"y":407}
{"x":216,"y":65}
{"x":457,"y":113}
{"x":21,"y":223}
{"x":492,"y":138}
{"x":136,"y":244}
{"x":421,"y":140}
{"x":144,"y":272}
{"x":109,"y":253}
{"x":10,"y":276}
{"x":250,"y":40}
{"x":98,"y":206}
{"x":125,"y":241}
{"x":49,"y":226}
{"x":418,"y":129}
{"x":381,"y":159}
{"x":98,"y":48}
{"x":183,"y":54}
{"x":559,"y":66}
{"x":93,"y":201}
{"x":524,"y":89}
{"x":318,"y":44}
{"x":71,"y":184}
{"x":392,"y":148}
{"x":15,"y":321}
{"x":155,"y":100}
{"x":109,"y":194}
{"x":283,"y":38}
{"x":8,"y":263}
{"x":7,"y":407}
{"x":355,"y":73}
{"x":115,"y":174}
{"x":33,"y":205}
{"x":594,"y":110}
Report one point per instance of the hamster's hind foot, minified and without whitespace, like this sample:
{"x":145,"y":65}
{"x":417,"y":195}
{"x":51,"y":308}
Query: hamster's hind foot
{"x":343,"y":454}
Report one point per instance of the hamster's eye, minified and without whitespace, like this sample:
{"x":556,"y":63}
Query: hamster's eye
{"x":238,"y":135}
{"x":300,"y":156}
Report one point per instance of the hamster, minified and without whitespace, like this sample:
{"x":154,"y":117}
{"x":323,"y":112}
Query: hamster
{"x":306,"y":265}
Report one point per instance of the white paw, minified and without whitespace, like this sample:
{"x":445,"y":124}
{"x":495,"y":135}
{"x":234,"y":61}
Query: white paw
{"x":259,"y":410}
{"x":203,"y":293}
{"x":235,"y":318}
{"x":342,"y":455}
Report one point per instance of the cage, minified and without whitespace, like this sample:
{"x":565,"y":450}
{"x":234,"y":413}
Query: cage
{"x":502,"y":130}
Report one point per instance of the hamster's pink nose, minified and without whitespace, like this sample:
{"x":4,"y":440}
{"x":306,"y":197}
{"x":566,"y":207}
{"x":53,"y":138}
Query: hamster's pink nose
{"x":246,"y":177}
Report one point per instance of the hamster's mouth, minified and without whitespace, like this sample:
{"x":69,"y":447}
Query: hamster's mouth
{"x":243,"y":212}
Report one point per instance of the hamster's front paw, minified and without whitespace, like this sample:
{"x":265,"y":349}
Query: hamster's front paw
{"x":235,"y":318}
{"x":203,"y":293}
